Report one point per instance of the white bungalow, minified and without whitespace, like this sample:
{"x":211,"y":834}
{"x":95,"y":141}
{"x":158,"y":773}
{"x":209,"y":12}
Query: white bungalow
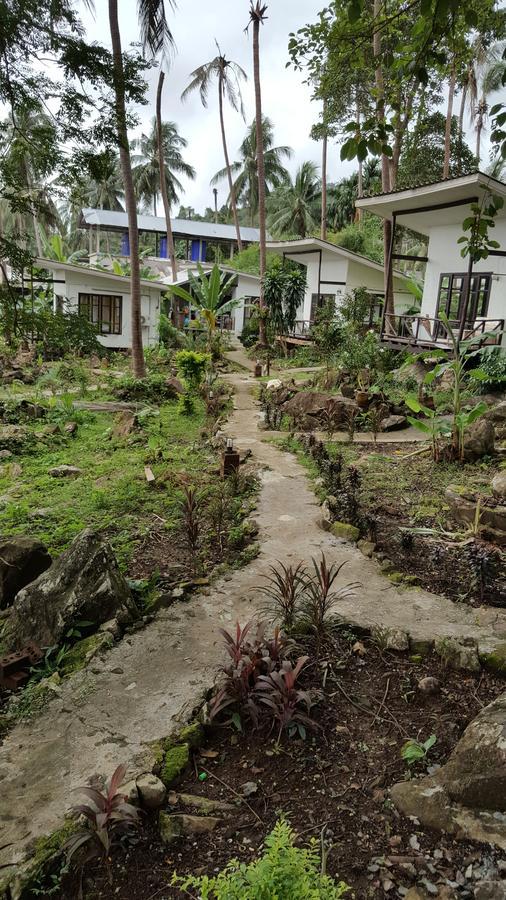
{"x":332,"y":272}
{"x":104,"y":298}
{"x":472,"y":295}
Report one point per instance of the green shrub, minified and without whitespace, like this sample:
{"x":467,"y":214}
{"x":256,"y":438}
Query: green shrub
{"x":493,"y":366}
{"x":186,"y":405}
{"x":284,"y":871}
{"x":250,"y":332}
{"x":60,"y":333}
{"x":192,"y":367}
{"x":153,"y":388}
{"x":169,"y":335}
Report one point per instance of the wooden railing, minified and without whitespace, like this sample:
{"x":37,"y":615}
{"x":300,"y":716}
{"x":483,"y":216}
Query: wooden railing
{"x":427,"y":332}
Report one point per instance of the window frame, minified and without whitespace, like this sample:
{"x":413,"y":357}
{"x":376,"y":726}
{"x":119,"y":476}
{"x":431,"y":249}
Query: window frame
{"x":89,"y":302}
{"x":477,"y":308}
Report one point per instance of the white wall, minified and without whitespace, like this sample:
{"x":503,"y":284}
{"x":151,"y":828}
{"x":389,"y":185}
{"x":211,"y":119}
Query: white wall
{"x":86,"y":283}
{"x":247,"y":286}
{"x":444,"y":256}
{"x":360,"y":275}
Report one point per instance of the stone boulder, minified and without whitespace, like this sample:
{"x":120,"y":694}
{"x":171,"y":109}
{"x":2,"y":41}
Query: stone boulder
{"x":14,"y":437}
{"x":463,"y":504}
{"x":479,"y":439}
{"x":174,"y":384}
{"x":393,"y":423}
{"x":309,"y":407}
{"x":22,"y":560}
{"x":467,"y":796}
{"x":499,"y":485}
{"x":83,"y":584}
{"x":497,"y":415}
{"x":475,"y":774}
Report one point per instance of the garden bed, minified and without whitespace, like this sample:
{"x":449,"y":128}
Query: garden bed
{"x":336,"y":779}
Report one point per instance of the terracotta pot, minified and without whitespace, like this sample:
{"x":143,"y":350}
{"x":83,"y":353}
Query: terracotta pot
{"x":362,"y":399}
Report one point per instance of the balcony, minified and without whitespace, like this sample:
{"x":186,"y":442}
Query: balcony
{"x":427,"y":333}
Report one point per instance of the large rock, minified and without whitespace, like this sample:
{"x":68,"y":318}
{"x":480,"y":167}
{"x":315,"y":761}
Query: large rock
{"x":499,"y":485}
{"x":393,"y":423}
{"x":463,"y":504}
{"x":311,"y":405}
{"x":475,"y":774}
{"x":83,"y":584}
{"x":467,"y":796}
{"x":14,"y":437}
{"x":22,"y":560}
{"x":479,"y":439}
{"x":497,"y":415}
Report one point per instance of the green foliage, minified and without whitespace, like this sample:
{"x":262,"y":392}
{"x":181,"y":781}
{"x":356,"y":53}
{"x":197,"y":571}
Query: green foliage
{"x":192,"y":367}
{"x":284,"y":290}
{"x":492,"y":369}
{"x":210,"y":294}
{"x":326,"y":332}
{"x":250,"y":332}
{"x":364,"y":238}
{"x":423,"y":155}
{"x":285,"y":872}
{"x":152,"y":389}
{"x":476,"y":243}
{"x":359,"y":351}
{"x":186,"y":405}
{"x":355,"y":306}
{"x":413,"y":751}
{"x":168,"y":334}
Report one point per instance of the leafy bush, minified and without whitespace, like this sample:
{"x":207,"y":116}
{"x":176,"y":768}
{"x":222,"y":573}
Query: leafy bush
{"x":169,"y":335}
{"x":285,"y":872}
{"x":492,"y":369}
{"x":153,"y":388}
{"x":192,"y":367}
{"x":60,"y":333}
{"x":186,"y":405}
{"x":250,"y":332}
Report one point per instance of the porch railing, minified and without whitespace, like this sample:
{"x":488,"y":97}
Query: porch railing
{"x":427,"y":332}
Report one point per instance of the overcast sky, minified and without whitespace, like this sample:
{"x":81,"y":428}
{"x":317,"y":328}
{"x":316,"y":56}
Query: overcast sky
{"x":286,"y":100}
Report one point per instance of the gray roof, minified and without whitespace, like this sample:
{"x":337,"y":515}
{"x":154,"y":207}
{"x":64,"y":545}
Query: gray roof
{"x":110,"y":220}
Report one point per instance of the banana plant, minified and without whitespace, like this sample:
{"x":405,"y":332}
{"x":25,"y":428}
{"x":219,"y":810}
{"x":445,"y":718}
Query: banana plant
{"x":209,"y":296}
{"x":458,"y":365}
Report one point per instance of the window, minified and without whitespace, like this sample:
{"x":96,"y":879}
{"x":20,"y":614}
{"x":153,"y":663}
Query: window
{"x":103,"y":310}
{"x":452,"y":295}
{"x":318,"y":301}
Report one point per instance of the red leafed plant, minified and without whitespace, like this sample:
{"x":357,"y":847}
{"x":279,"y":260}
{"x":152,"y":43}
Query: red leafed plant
{"x":107,"y":815}
{"x":287,"y":704}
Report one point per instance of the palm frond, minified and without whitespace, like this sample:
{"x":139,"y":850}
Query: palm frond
{"x":156,"y":35}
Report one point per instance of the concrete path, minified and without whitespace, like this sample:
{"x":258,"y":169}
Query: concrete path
{"x":153,"y":678}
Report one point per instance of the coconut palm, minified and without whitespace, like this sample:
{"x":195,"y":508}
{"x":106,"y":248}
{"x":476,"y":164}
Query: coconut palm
{"x":210,"y":295}
{"x":105,"y":189}
{"x":483,"y":75}
{"x":257,"y":16}
{"x":146,"y":170}
{"x":228,"y":75}
{"x":245,"y":168}
{"x":294,"y":207}
{"x":156,"y":37}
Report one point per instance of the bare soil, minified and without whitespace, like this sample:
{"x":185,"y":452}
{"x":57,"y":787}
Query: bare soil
{"x":337,"y":780}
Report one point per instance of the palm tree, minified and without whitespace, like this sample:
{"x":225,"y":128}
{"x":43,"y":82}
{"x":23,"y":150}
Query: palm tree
{"x":228,"y":75}
{"x":210,"y":295}
{"x":256,"y":18}
{"x":32,"y":126}
{"x":489,"y":71}
{"x":105,"y":189}
{"x":245,"y":169}
{"x":146,"y":169}
{"x":293,"y":208}
{"x":155,"y":35}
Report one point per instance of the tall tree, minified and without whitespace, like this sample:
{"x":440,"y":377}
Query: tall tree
{"x":163,"y":178}
{"x":489,"y":72}
{"x":245,"y":169}
{"x":103,"y":189}
{"x":155,"y":35}
{"x":257,"y":18}
{"x":294,"y":206}
{"x":146,"y":163}
{"x":228,"y":75}
{"x":323,"y":220}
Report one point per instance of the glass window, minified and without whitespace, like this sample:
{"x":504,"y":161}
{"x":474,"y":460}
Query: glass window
{"x":453,"y":290}
{"x":103,"y":310}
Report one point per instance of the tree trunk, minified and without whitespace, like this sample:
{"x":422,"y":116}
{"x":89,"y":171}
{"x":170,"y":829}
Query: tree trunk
{"x":448,"y":129}
{"x":138,"y":365}
{"x":360,"y":183}
{"x":261,"y":174}
{"x":154,"y":202}
{"x":463,"y":100}
{"x":35,"y":221}
{"x":385,"y":168}
{"x":163,"y":180}
{"x":227,"y":164}
{"x":479,"y":128}
{"x":323,"y":233}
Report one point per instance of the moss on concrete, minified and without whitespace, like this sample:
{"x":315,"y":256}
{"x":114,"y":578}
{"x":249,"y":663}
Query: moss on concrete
{"x":495,"y":660}
{"x":192,"y":734}
{"x":81,"y":653}
{"x":176,"y":760}
{"x":345,"y":531}
{"x":421,"y":647}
